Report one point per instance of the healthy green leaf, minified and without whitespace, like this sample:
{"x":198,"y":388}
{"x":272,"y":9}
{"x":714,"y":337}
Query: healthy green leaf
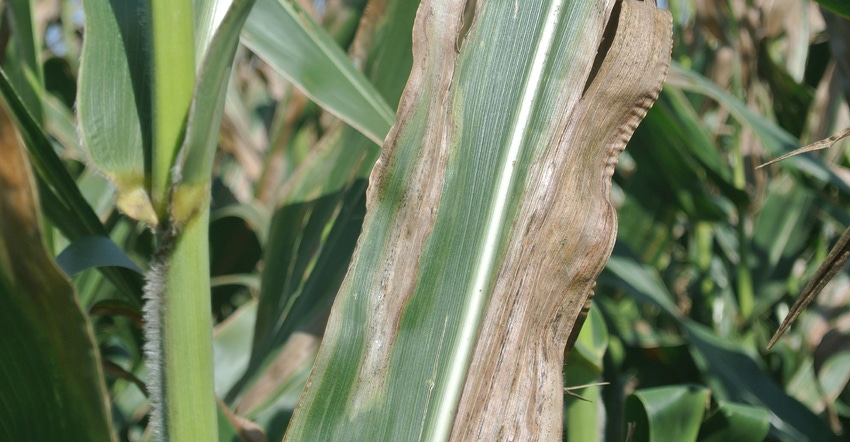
{"x":667,"y":413}
{"x":49,"y":167}
{"x":733,"y":375}
{"x":229,"y":350}
{"x":20,"y":60}
{"x":732,"y":422}
{"x":592,"y":342}
{"x":288,"y":39}
{"x":114,"y":105}
{"x":774,"y":138}
{"x":585,"y":417}
{"x":838,"y":6}
{"x":93,"y":251}
{"x":834,"y":373}
{"x":208,"y":17}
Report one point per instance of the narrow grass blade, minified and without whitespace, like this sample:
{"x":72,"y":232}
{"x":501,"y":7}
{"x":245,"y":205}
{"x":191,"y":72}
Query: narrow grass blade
{"x":285,"y":37}
{"x":833,"y":263}
{"x":20,"y":60}
{"x":775,"y":139}
{"x":817,"y":145}
{"x":51,"y":383}
{"x":49,"y":166}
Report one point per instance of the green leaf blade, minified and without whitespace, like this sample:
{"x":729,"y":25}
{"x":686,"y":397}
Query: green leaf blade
{"x":114,"y":106}
{"x":838,"y":6}
{"x":283,"y":35}
{"x":193,"y":169}
{"x":52,"y":384}
{"x":667,"y":413}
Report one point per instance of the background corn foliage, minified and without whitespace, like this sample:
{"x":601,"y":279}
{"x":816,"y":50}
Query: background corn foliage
{"x":710,"y":253}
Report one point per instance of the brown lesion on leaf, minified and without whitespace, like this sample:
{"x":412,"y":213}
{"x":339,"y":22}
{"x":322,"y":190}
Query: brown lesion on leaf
{"x":514,"y":387}
{"x":395,"y":187}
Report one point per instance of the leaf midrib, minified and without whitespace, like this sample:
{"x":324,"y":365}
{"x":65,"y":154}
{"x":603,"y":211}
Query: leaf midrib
{"x":485,"y":266}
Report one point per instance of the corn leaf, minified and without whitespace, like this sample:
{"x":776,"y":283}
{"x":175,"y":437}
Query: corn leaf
{"x":667,"y":413}
{"x":487,"y":222}
{"x":193,"y":168}
{"x":288,"y":39}
{"x":838,"y":6}
{"x":21,"y":58}
{"x":208,"y":17}
{"x":315,"y":229}
{"x":63,"y":203}
{"x":735,"y":422}
{"x":91,"y":252}
{"x":776,"y":140}
{"x":114,"y":105}
{"x":52,"y":384}
{"x":733,"y":375}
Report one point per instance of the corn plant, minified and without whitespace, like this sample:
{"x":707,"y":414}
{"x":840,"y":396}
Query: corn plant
{"x":339,"y":222}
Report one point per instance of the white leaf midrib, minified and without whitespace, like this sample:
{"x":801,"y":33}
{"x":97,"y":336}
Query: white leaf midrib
{"x":484,"y":268}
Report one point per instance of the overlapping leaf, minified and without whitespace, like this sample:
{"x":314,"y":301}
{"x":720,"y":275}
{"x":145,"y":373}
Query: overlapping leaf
{"x":52,"y":384}
{"x":288,"y":39}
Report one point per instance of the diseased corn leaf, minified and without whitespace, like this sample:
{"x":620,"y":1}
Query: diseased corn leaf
{"x":50,"y":379}
{"x":487,"y":222}
{"x":114,"y":99}
{"x":307,"y":262}
{"x":288,"y":39}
